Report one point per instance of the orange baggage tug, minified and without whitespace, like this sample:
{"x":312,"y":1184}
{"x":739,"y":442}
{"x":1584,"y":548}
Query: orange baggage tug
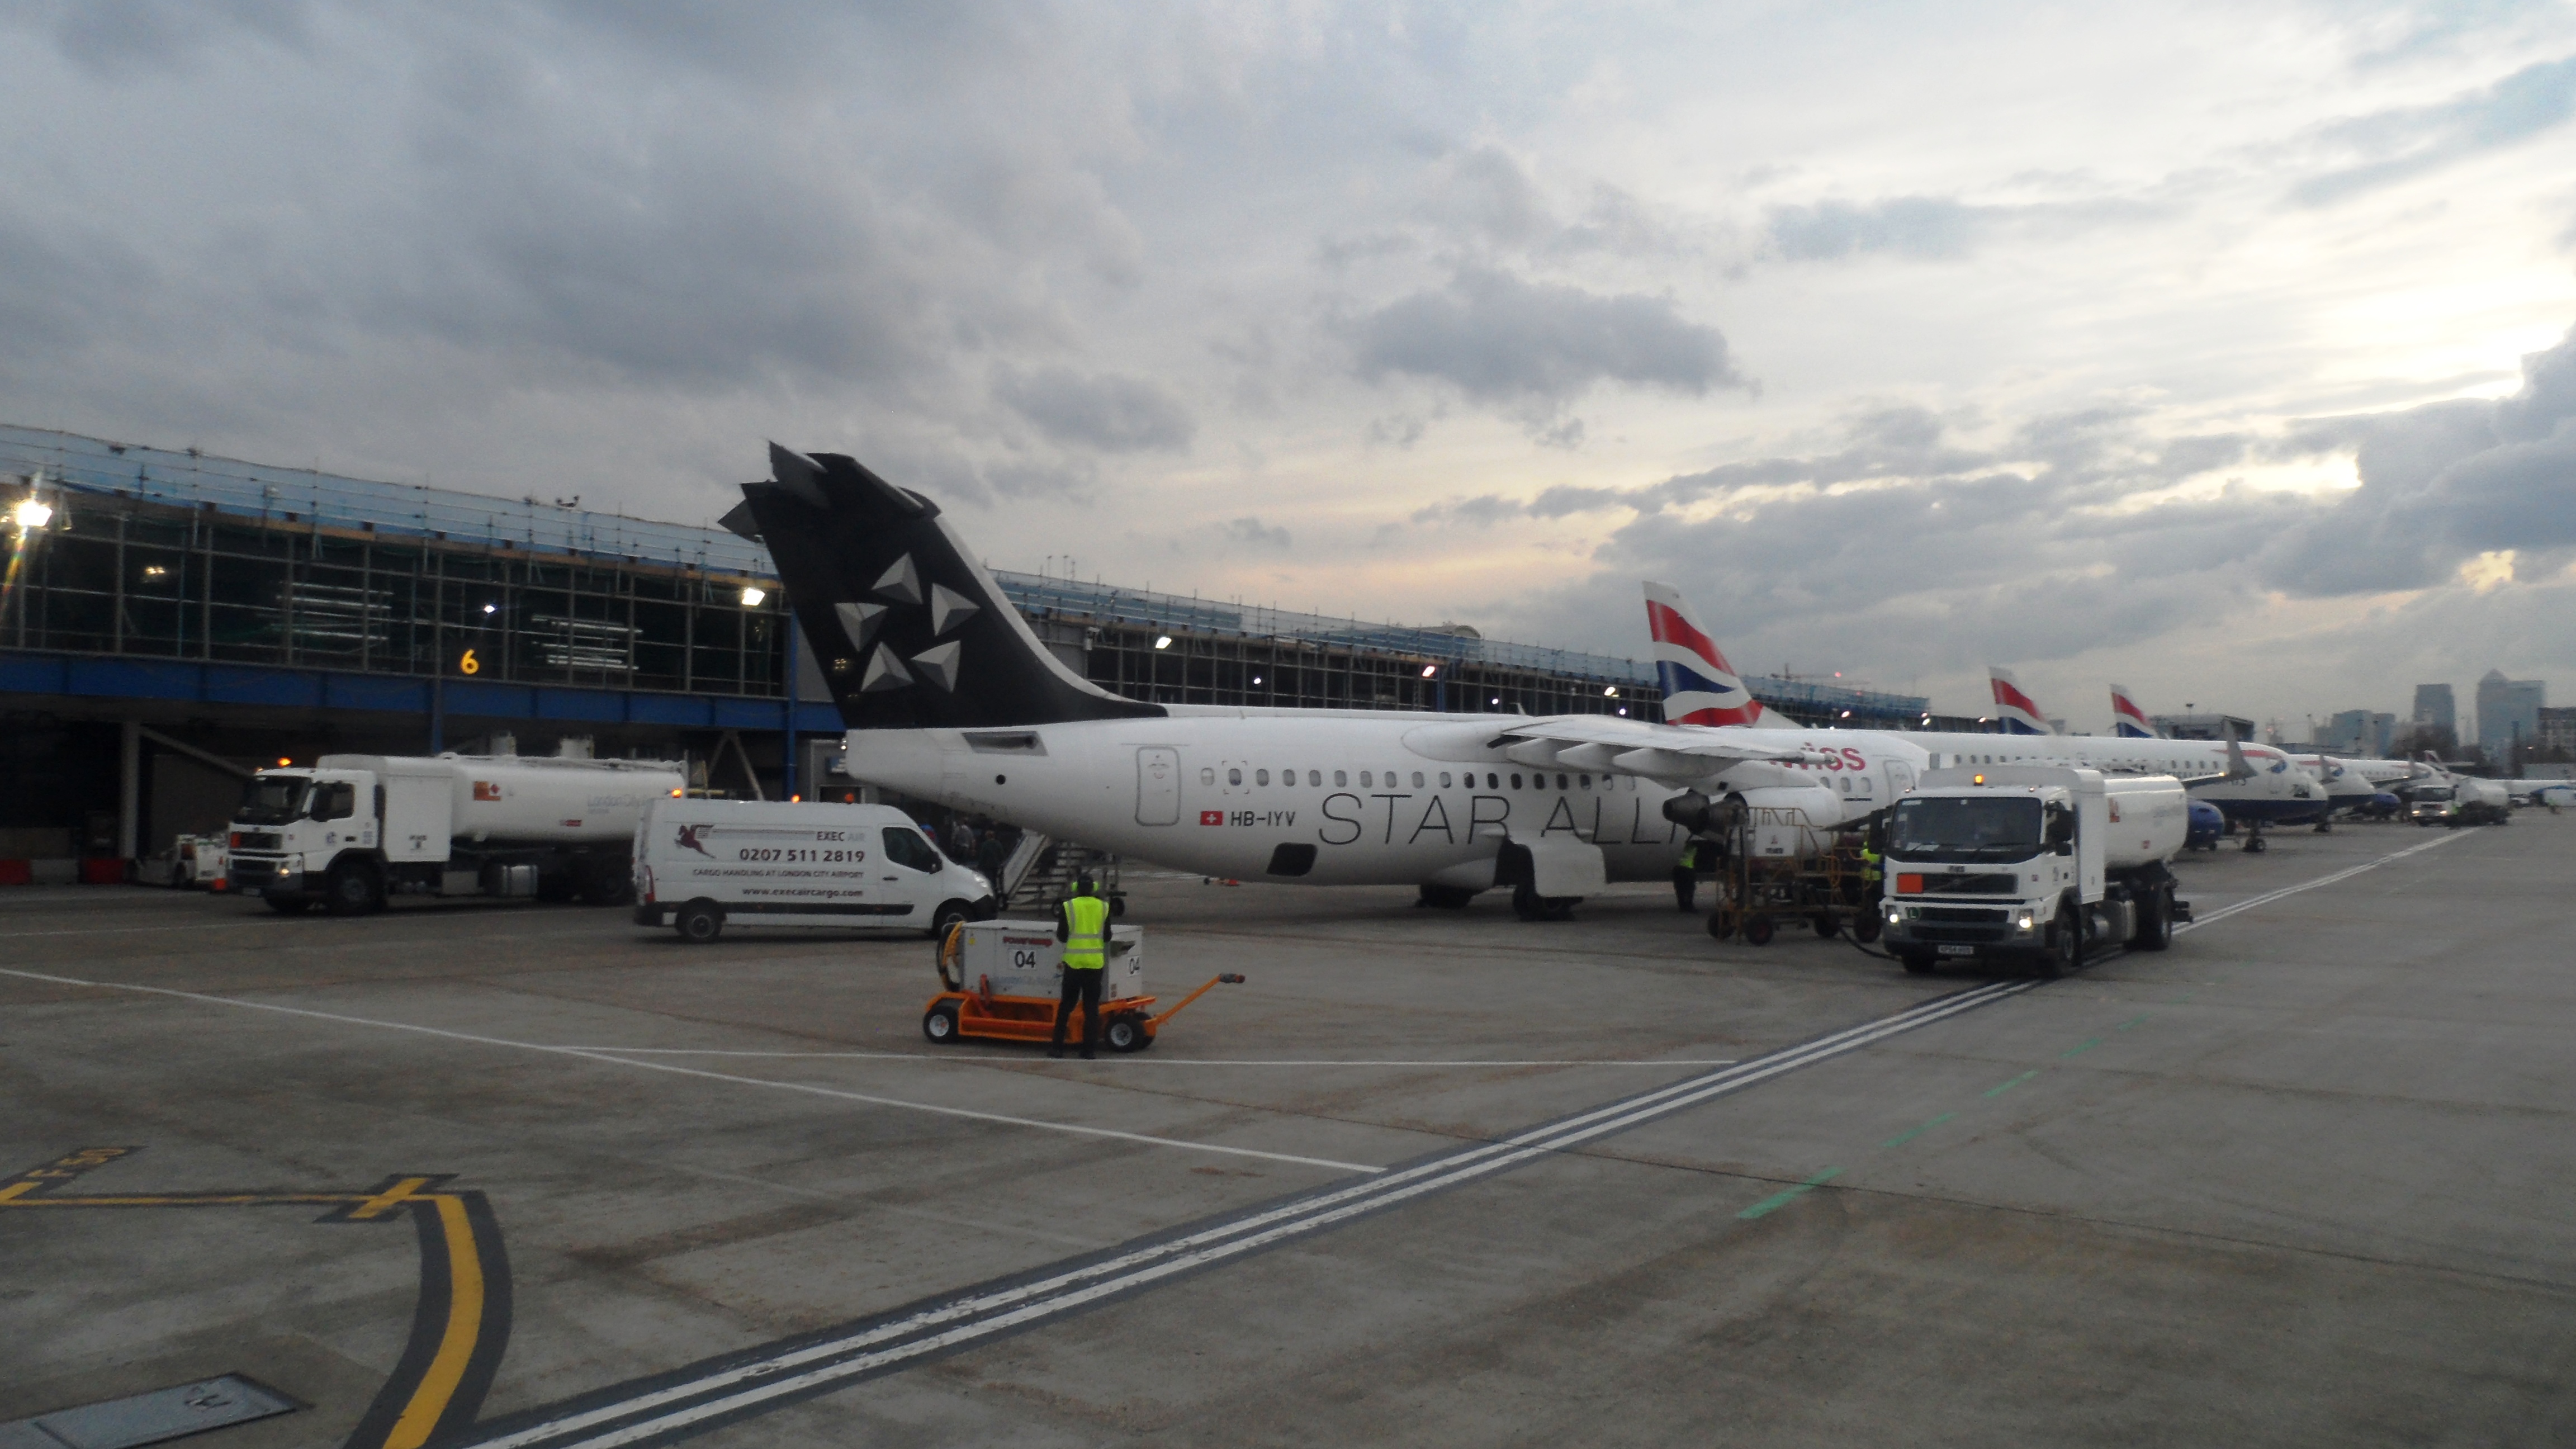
{"x":1014,"y":1010}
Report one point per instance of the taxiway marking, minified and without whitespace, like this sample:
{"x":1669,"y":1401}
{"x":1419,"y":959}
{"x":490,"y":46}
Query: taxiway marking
{"x":808,"y":1089}
{"x":717,"y":1391}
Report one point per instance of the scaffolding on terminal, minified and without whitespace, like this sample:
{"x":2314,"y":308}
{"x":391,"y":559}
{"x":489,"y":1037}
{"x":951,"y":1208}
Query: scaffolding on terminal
{"x":386,"y":578}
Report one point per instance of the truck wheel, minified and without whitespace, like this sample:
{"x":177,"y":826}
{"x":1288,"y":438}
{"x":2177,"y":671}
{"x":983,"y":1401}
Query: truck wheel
{"x":700,"y":922}
{"x":2065,"y":954}
{"x":949,"y":914}
{"x":2155,"y":920}
{"x":1124,"y":1033}
{"x":352,"y":889}
{"x":1920,"y":963}
{"x":939,"y":1024}
{"x":1757,"y":930}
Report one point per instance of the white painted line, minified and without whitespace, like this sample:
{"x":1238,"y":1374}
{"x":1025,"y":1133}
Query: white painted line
{"x":589,"y":1055}
{"x":967,"y":1059}
{"x":2268,"y":897}
{"x":745,"y":1385}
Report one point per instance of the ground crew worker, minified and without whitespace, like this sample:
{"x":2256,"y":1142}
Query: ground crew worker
{"x":1082,"y":924}
{"x":1686,"y":875}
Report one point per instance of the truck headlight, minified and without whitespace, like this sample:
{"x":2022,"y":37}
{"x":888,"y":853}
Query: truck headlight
{"x":2026,"y":921}
{"x":1895,"y":913}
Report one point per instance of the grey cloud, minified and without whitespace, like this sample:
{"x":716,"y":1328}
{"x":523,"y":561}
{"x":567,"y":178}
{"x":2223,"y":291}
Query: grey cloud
{"x":1928,"y":227}
{"x":1484,"y":193}
{"x":1503,"y":340}
{"x":2411,"y":141}
{"x":1113,"y":414}
{"x":120,"y":39}
{"x":1253,"y":533}
{"x":2439,"y":484}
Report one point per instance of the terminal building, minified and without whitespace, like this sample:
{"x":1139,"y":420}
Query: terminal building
{"x":172,"y":621}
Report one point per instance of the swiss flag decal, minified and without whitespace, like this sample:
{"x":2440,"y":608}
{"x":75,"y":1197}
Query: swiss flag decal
{"x":1211,"y":817}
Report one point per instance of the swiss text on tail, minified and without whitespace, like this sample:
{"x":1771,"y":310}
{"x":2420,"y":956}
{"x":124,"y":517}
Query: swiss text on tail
{"x":911,"y":631}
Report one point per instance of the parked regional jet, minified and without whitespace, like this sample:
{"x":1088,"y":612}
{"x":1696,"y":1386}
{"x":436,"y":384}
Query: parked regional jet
{"x":2256,"y":785}
{"x":949,"y":696}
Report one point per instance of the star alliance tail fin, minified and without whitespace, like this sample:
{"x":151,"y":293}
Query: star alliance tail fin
{"x":911,"y":631}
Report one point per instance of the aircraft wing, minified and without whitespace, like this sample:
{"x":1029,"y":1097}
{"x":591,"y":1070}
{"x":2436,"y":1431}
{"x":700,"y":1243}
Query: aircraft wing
{"x":2237,"y":769}
{"x":1634,"y":747}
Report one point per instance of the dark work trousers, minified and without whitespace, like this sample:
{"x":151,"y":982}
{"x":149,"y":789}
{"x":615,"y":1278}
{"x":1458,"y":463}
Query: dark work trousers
{"x":1082,"y":986}
{"x":1685,"y":886}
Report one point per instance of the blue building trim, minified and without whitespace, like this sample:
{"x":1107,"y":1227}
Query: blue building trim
{"x":94,"y":677}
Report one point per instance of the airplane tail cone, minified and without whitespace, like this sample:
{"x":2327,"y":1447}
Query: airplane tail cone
{"x":911,"y":631}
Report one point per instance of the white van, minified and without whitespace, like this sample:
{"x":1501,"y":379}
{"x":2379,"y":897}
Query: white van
{"x":701,"y":864}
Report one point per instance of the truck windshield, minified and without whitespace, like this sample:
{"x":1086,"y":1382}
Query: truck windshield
{"x":273,"y":799}
{"x":1973,"y":829}
{"x":2435,"y":792}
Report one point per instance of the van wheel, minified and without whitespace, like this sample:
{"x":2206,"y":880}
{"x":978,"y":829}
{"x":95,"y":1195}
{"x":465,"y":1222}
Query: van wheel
{"x":1124,"y":1033}
{"x":947,"y":917}
{"x":939,"y":1024}
{"x":700,"y":922}
{"x":353,"y":889}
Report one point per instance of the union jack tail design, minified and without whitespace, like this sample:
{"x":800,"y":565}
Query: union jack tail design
{"x":2127,"y":720}
{"x":1700,"y":687}
{"x":2021,"y":715}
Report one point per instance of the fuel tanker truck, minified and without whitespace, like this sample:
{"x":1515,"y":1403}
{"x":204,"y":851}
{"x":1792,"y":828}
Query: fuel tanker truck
{"x":2034,"y":864}
{"x":355,"y":829}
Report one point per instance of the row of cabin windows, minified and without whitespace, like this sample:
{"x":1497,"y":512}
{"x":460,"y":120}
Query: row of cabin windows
{"x":1368,"y":780}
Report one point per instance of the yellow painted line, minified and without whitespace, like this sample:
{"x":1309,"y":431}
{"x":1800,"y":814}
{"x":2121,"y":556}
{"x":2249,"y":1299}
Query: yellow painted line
{"x":17,"y":1189}
{"x":215,"y":1199}
{"x":456,"y":1345}
{"x":401,"y":1192}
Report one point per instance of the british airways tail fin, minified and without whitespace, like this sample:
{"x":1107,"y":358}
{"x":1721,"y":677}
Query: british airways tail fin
{"x":1700,"y":687}
{"x":2021,"y":715}
{"x":2127,"y":720}
{"x":911,"y":631}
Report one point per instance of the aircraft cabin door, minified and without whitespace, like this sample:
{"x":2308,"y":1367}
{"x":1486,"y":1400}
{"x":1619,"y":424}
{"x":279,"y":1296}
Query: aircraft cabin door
{"x":1158,"y":786}
{"x":1900,"y":777}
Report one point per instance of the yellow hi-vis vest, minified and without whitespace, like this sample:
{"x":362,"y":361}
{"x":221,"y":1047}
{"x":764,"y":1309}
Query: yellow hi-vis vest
{"x":1086,"y":945}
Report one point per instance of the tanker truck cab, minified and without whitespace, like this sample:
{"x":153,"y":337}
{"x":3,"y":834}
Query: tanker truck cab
{"x":293,"y":827}
{"x":2034,"y":864}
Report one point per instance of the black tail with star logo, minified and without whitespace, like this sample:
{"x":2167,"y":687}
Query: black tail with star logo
{"x":911,"y":631}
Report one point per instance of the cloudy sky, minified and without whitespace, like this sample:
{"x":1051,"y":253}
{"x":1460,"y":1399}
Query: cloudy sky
{"x":2224,"y":350}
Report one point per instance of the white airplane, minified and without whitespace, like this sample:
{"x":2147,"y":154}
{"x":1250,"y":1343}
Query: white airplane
{"x":950,"y":697}
{"x":2254,"y":784}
